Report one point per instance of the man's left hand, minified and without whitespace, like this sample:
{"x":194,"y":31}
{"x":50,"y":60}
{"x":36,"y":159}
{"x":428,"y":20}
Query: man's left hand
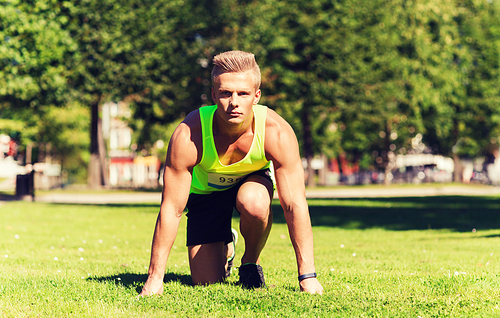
{"x":311,"y":286}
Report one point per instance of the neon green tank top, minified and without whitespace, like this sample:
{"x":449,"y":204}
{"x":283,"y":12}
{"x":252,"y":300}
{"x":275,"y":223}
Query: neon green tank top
{"x":210,"y":174}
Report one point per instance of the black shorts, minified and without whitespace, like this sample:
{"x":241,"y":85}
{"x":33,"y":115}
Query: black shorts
{"x":209,"y":215}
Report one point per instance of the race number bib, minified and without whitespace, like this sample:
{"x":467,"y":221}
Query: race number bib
{"x":222,"y":181}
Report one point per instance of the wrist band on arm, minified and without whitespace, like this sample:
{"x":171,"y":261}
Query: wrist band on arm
{"x":306,"y":276}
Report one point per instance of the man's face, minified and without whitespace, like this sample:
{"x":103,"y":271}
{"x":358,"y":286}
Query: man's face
{"x":235,"y":94}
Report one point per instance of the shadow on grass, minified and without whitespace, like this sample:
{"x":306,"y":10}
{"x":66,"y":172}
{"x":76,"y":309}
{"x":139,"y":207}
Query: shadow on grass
{"x":8,"y":197}
{"x":131,"y":280}
{"x":457,"y":213}
{"x":137,"y":281}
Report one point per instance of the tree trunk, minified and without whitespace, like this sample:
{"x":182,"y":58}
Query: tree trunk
{"x":322,"y":171}
{"x":387,"y":160}
{"x":29,"y":151}
{"x":102,"y":155}
{"x":311,"y":174}
{"x":389,"y":166}
{"x":387,"y":179}
{"x":308,"y":148}
{"x":458,"y":169}
{"x":97,"y":174}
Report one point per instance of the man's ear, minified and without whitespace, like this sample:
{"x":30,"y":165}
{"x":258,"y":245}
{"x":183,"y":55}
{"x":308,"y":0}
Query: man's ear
{"x":213,"y":95}
{"x":257,"y":97}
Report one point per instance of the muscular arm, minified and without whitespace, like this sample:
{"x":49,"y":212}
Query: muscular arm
{"x":181,"y":157}
{"x":282,"y":148}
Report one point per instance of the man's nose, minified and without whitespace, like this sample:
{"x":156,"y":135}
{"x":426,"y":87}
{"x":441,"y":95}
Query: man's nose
{"x":234,"y":100}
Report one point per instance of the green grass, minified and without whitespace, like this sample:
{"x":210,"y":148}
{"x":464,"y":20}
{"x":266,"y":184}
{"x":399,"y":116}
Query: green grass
{"x":383,"y":257}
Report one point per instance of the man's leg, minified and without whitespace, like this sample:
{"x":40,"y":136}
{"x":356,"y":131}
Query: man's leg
{"x":253,"y":202}
{"x":209,"y":220}
{"x":207,"y":263}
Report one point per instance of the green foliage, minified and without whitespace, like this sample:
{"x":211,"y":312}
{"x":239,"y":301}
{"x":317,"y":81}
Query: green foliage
{"x":34,"y":41}
{"x":480,"y":25}
{"x":66,"y":129}
{"x":358,"y":77}
{"x":354,"y":77}
{"x":141,"y":52}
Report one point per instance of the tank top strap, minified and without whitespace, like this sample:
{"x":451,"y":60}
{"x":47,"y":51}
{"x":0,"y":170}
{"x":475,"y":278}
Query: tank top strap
{"x":206,"y":119}
{"x":260,"y":114}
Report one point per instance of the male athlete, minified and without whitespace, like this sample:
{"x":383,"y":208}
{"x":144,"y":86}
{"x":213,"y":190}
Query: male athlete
{"x":219,"y":159}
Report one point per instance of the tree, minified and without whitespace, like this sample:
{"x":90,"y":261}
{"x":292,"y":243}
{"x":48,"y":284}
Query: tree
{"x":461,"y":64}
{"x":372,"y":88}
{"x":303,"y":63}
{"x":33,"y":80}
{"x":479,"y":123}
{"x":353,"y":77}
{"x":134,"y":51}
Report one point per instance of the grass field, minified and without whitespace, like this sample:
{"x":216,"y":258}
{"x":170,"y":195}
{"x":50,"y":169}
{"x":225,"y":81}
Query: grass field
{"x":383,"y":257}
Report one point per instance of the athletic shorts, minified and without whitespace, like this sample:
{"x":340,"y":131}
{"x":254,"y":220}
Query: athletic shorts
{"x":209,"y":215}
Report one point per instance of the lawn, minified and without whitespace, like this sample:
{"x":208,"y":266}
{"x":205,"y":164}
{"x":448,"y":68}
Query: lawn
{"x":381,"y":257}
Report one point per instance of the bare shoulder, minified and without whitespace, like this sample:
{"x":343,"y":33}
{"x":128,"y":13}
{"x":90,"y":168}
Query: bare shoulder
{"x":184,"y":148}
{"x":276,"y":124}
{"x":280,"y":137}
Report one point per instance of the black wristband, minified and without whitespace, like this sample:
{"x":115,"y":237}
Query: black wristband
{"x":306,"y":276}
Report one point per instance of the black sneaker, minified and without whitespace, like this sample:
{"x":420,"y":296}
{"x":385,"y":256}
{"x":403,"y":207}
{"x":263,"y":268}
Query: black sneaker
{"x":251,"y":276}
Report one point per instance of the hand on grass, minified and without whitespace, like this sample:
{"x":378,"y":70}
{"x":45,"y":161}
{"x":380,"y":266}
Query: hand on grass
{"x":311,"y":286}
{"x":152,"y":287}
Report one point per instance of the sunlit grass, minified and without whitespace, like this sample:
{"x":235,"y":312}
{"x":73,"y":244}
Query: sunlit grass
{"x":405,"y":257}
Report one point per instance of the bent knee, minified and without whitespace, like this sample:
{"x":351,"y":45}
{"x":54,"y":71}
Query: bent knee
{"x":254,"y":204}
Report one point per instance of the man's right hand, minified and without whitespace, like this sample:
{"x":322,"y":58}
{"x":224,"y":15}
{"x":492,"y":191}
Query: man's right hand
{"x":152,"y":287}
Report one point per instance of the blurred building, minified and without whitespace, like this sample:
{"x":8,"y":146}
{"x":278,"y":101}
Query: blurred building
{"x":126,"y":168}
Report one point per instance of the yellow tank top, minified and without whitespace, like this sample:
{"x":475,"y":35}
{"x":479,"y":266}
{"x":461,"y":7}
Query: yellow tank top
{"x":210,"y":174}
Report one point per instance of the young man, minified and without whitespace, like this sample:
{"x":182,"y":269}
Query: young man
{"x":219,"y":158}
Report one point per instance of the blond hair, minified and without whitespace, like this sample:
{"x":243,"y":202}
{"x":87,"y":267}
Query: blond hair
{"x":237,"y":62}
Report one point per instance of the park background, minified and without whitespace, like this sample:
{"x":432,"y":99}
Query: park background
{"x":400,"y":92}
{"x":376,"y":91}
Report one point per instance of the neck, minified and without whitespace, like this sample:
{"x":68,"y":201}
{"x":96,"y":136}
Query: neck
{"x":231,"y":131}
